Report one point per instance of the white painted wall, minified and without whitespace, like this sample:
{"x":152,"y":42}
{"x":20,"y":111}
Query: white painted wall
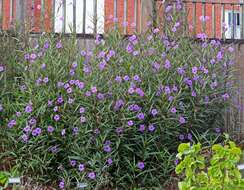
{"x":79,"y":16}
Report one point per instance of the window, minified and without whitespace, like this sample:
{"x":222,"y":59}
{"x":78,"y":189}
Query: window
{"x":232,"y":21}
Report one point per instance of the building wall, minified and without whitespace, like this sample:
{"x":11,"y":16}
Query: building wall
{"x":106,"y":15}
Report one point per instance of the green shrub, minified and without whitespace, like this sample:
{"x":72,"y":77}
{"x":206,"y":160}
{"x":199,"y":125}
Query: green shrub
{"x":112,"y":116}
{"x":214,"y":169}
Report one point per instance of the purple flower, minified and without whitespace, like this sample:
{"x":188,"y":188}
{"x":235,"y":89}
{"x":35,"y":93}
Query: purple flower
{"x":100,"y":96}
{"x":27,"y":56}
{"x":61,"y":184}
{"x":180,"y":71}
{"x":36,"y":132}
{"x":151,"y":127}
{"x":168,"y":8}
{"x":11,"y":123}
{"x":118,"y":79}
{"x":131,"y":90}
{"x":217,"y":130}
{"x":92,"y":175}
{"x":193,"y":93}
{"x":1,"y":68}
{"x":32,"y":121}
{"x":45,"y":80}
{"x":226,"y":96}
{"x":219,"y":56}
{"x":142,"y":128}
{"x":75,"y":130}
{"x":69,"y":90}
{"x":130,"y":123}
{"x":81,"y":167}
{"x":189,"y":136}
{"x":81,"y":85}
{"x":88,"y":93}
{"x":73,"y":163}
{"x":55,"y":109}
{"x":18,"y":114}
{"x":173,"y":110}
{"x":70,"y":101}
{"x":154,"y":112}
{"x":231,"y":49}
{"x":140,"y":92}
{"x":1,"y":107}
{"x":141,"y":165}
{"x":136,"y":78}
{"x":109,"y":161}
{"x":27,"y":129}
{"x":107,"y":148}
{"x":83,"y":53}
{"x":194,"y":70}
{"x":176,"y":162}
{"x":46,"y":45}
{"x":63,"y":132}
{"x":118,"y":104}
{"x":182,"y":120}
{"x":129,"y":48}
{"x":50,"y":129}
{"x":156,"y":66}
{"x":141,"y":116}
{"x":156,"y":30}
{"x":126,"y":78}
{"x":24,"y":138}
{"x":94,"y":89}
{"x":43,"y":66}
{"x":167,"y":64}
{"x":60,"y":100}
{"x":82,"y":119}
{"x":33,"y":56}
{"x":119,"y":130}
{"x":181,"y":137}
{"x":167,"y":90}
{"x":82,"y":110}
{"x":56,"y":117}
{"x":59,"y":45}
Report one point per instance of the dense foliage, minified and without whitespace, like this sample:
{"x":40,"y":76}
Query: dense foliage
{"x":114,"y":115}
{"x":215,"y":169}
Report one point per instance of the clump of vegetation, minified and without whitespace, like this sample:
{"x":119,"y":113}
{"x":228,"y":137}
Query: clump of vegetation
{"x":112,"y":116}
{"x":215,"y":170}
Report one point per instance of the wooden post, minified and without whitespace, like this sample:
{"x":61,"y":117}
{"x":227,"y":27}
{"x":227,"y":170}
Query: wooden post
{"x":20,"y":14}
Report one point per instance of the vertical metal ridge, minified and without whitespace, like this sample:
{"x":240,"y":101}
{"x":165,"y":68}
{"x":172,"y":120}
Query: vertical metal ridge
{"x":204,"y":15}
{"x":74,"y":16}
{"x":64,"y":16}
{"x":42,"y":15}
{"x":223,"y":20}
{"x":233,"y":23}
{"x":194,"y":17}
{"x":84,"y":17}
{"x":1,"y":15}
{"x":95,"y":16}
{"x":213,"y":21}
{"x":53,"y":14}
{"x":115,"y":13}
{"x":11,"y":12}
{"x":125,"y":17}
{"x":136,"y":14}
{"x":141,"y":14}
{"x":241,"y":21}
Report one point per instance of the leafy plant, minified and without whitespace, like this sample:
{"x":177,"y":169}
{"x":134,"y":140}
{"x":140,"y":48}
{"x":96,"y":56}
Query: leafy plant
{"x":111,"y":116}
{"x":4,"y":176}
{"x":205,"y":169}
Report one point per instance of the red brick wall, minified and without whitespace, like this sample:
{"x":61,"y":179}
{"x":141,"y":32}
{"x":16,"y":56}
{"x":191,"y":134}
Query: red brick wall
{"x":109,"y":14}
{"x":37,"y":15}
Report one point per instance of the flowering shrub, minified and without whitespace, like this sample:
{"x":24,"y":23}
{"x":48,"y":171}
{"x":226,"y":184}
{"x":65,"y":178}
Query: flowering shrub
{"x":112,"y":116}
{"x":216,"y":170}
